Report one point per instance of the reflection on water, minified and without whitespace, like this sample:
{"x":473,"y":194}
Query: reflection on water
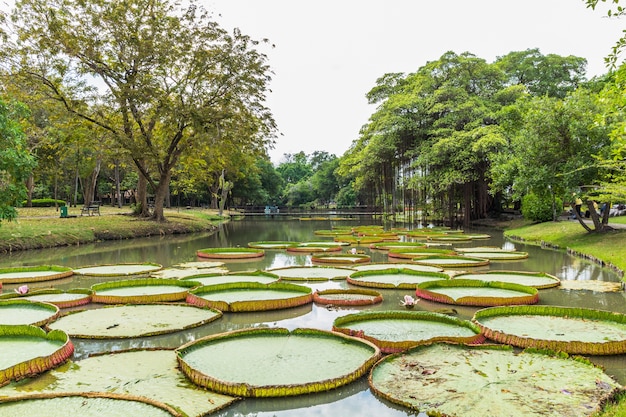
{"x":354,"y":399}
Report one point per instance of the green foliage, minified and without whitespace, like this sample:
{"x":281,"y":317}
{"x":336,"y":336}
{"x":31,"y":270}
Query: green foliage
{"x":46,"y":202}
{"x":16,"y":162}
{"x":540,"y":208}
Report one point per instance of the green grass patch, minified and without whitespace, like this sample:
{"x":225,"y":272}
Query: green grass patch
{"x":37,"y":228}
{"x":608,"y":246}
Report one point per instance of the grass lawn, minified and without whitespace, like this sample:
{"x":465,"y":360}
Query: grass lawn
{"x":608,"y":246}
{"x":43,"y":228}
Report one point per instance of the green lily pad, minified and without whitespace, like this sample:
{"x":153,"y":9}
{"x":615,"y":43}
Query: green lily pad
{"x":356,"y":297}
{"x":230,"y":253}
{"x":539,"y":280}
{"x":396,"y":331}
{"x":320,"y":247}
{"x":29,"y":350}
{"x":566,"y":329}
{"x":117,"y":270}
{"x":273,"y":244}
{"x":397,"y":245}
{"x":418,"y":252}
{"x":133,"y":320}
{"x":24,"y":274}
{"x":276,"y":362}
{"x":232,"y":277}
{"x":312,"y":273}
{"x":250,"y":296}
{"x":27,"y":312}
{"x":341,"y":259}
{"x":499,"y":255}
{"x":454,"y":380}
{"x":394,"y":278}
{"x":477,"y":293}
{"x":141,"y":291}
{"x":452,"y":261}
{"x":149,"y":374}
{"x":85,"y":405}
{"x":397,"y":265}
{"x":60,"y":298}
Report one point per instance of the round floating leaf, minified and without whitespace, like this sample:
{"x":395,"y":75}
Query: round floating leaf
{"x":341,"y":259}
{"x":394,"y":278}
{"x":395,"y":331}
{"x":117,"y":322}
{"x":397,"y":265}
{"x":118,"y":270}
{"x":359,"y":240}
{"x":27,"y":312}
{"x":85,"y":404}
{"x":230,"y":253}
{"x":452,"y":261}
{"x":566,"y":329}
{"x":275,"y":362}
{"x":149,"y":374}
{"x":333,"y":232}
{"x":312,"y":273}
{"x":477,"y":293}
{"x":60,"y":298}
{"x":24,"y":274}
{"x":272,"y":244}
{"x":397,"y":245}
{"x":250,"y":296}
{"x":499,"y":255}
{"x":232,"y":277}
{"x":453,"y":380}
{"x":141,"y":291}
{"x":320,"y":247}
{"x":418,"y":252}
{"x":29,"y":350}
{"x":539,"y":280}
{"x":356,"y":297}
{"x":323,"y":243}
{"x":482,"y":249}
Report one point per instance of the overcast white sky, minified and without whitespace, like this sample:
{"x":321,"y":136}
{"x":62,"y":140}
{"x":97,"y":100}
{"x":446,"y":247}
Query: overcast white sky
{"x":329,"y":53}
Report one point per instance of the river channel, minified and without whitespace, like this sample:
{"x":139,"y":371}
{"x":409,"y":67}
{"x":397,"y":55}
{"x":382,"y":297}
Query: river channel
{"x":355,"y":398}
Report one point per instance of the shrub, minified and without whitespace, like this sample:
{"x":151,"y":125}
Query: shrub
{"x":45,"y":202}
{"x":540,"y":208}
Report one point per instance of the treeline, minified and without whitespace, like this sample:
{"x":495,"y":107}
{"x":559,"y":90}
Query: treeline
{"x":158,"y":106}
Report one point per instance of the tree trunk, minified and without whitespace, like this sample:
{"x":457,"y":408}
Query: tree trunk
{"x":142,"y":195}
{"x":159,"y":197}
{"x":118,"y":188}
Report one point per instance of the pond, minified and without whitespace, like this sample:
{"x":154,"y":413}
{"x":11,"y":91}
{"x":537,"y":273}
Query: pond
{"x":352,"y":399}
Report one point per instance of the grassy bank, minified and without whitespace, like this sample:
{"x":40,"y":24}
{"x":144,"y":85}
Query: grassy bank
{"x":607,"y":247}
{"x":38,"y":228}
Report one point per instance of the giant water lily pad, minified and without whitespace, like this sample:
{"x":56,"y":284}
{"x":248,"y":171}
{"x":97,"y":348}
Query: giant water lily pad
{"x":187,"y":269}
{"x":538,"y":280}
{"x":250,"y":296}
{"x":395,"y":331}
{"x":454,"y":380}
{"x":140,"y":291}
{"x":276,"y":362}
{"x":27,"y":312}
{"x":567,"y":329}
{"x":477,"y":293}
{"x":252,"y":276}
{"x":397,"y":245}
{"x":93,"y":404}
{"x":359,"y":240}
{"x":355,"y":297}
{"x":348,"y":259}
{"x":396,"y":265}
{"x":230,"y":253}
{"x":133,"y":320}
{"x":149,"y":374}
{"x":24,"y":274}
{"x":60,"y":298}
{"x":498,"y":255}
{"x":394,"y":278}
{"x":272,"y":244}
{"x":452,"y":261}
{"x":118,"y":270}
{"x":29,"y":350}
{"x":320,"y":247}
{"x":412,"y":253}
{"x":312,"y":273}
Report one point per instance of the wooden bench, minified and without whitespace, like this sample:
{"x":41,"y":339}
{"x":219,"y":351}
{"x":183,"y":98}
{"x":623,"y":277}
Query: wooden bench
{"x":91,"y":208}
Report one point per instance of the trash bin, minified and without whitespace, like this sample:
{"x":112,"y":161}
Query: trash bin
{"x":63,"y":211}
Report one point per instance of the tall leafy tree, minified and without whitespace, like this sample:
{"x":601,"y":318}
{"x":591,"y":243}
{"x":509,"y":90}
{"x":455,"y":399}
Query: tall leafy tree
{"x":16,"y":163}
{"x":168,"y":76}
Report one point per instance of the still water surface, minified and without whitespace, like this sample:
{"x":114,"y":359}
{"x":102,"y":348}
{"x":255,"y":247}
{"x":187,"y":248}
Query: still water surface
{"x":355,"y":398}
